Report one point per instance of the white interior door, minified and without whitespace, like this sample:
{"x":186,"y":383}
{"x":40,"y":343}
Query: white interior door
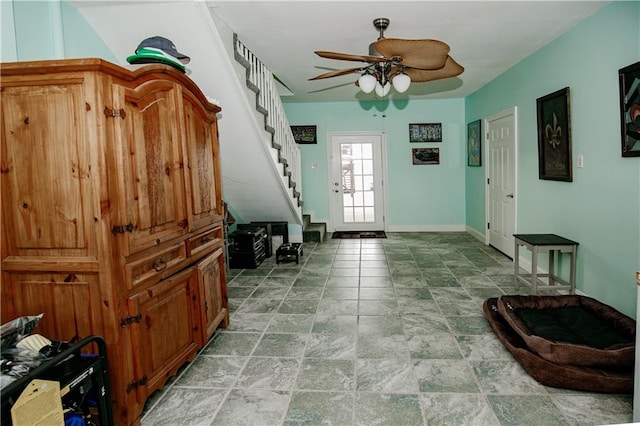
{"x":356,"y":182}
{"x":501,"y":145}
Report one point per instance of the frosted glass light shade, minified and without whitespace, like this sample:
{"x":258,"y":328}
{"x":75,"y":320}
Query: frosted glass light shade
{"x":367,"y":83}
{"x":401,"y":82}
{"x":382,"y":90}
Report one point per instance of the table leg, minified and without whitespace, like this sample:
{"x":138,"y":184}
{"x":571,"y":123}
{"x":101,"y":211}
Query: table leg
{"x":534,"y":270}
{"x":572,"y":272}
{"x":516,"y":262}
{"x":552,"y":273}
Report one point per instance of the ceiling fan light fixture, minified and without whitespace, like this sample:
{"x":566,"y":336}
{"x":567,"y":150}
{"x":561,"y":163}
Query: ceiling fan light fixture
{"x":367,"y":83}
{"x":381,"y":90}
{"x":401,"y":82}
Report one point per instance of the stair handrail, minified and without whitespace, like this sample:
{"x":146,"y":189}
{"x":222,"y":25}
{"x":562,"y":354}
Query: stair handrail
{"x":269,"y":103}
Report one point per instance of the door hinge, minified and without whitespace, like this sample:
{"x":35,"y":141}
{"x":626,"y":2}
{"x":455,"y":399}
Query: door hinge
{"x":143,"y":381}
{"x":488,"y":225}
{"x":488,"y":179}
{"x":130,"y":320}
{"x":113,"y":113}
{"x":122,"y":228}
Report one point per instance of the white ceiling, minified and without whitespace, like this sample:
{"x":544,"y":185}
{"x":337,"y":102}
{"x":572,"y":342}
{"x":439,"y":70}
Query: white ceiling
{"x":486,"y":38}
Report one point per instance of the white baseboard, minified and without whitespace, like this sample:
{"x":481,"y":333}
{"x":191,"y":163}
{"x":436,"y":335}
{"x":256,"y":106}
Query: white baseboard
{"x":474,"y":233}
{"x":426,"y":228}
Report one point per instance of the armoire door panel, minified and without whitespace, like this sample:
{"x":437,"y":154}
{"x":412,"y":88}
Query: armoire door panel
{"x":53,"y":219}
{"x":155,"y":191}
{"x":206,"y":200}
{"x":166,"y":328}
{"x":214,"y":306}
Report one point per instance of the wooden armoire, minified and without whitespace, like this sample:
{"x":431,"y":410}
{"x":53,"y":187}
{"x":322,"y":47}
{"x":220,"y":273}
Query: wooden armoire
{"x":112,"y":214}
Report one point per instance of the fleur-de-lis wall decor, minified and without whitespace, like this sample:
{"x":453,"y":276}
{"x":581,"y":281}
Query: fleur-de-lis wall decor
{"x":553,"y":135}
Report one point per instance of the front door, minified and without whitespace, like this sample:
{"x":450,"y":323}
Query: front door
{"x":356,"y":182}
{"x":501,"y":180}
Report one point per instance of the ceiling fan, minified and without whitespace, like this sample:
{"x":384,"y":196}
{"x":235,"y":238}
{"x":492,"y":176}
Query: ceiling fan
{"x":397,"y":62}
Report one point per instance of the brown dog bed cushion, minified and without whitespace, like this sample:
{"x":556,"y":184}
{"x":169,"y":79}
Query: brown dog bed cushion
{"x":605,"y":380}
{"x":571,"y":329}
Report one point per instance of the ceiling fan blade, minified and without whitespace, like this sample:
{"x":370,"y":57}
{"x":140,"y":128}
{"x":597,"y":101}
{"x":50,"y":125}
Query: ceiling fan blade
{"x":450,"y":69}
{"x":336,"y":73}
{"x":423,"y":54}
{"x":348,"y":56}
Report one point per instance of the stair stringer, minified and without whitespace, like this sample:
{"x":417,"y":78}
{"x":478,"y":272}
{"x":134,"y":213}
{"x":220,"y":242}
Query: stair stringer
{"x":264,"y":111}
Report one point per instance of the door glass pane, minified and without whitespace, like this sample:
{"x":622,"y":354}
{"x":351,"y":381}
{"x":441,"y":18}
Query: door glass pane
{"x":368,"y":214}
{"x":348,"y":215}
{"x":357,"y":167}
{"x":357,"y":182}
{"x":367,"y":167}
{"x":367,"y":151}
{"x":368,"y":199}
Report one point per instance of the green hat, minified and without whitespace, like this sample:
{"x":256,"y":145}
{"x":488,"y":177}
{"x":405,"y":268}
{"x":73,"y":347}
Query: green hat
{"x":148,"y":55}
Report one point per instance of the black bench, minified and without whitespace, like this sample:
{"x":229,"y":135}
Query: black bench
{"x":289,"y":251}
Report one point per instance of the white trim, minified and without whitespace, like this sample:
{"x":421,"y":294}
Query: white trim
{"x":487,"y":204}
{"x":383,"y":170}
{"x":426,"y":228}
{"x":478,"y":235}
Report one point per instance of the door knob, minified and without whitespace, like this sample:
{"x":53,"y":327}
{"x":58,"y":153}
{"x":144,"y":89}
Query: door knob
{"x":509,"y":195}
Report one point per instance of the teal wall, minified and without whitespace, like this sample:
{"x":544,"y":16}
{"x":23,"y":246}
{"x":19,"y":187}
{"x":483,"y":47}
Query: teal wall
{"x":601,"y":207}
{"x":418,"y":197}
{"x":62,"y":32}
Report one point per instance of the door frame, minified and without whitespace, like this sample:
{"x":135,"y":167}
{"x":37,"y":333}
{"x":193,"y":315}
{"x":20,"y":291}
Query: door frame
{"x":331,"y":226}
{"x":513,"y":111}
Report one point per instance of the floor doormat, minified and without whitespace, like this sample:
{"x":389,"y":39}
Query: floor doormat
{"x":359,"y":234}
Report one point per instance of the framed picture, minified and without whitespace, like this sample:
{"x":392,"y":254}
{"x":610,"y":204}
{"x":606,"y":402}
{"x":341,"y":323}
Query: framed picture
{"x":474,"y":144}
{"x":304,"y":134}
{"x":629,"y":78}
{"x":554,"y":136}
{"x":425,"y":132}
{"x":422,"y":156}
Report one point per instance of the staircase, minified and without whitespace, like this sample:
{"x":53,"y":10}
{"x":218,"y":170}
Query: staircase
{"x":259,"y":80}
{"x":313,"y":232}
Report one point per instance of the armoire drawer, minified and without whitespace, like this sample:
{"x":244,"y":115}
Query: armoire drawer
{"x":204,"y":241}
{"x":156,"y":266}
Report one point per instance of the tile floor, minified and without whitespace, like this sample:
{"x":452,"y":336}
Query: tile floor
{"x":370,"y":332}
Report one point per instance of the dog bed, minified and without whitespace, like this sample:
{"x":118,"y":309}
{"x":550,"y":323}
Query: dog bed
{"x":571,"y":329}
{"x":605,"y":380}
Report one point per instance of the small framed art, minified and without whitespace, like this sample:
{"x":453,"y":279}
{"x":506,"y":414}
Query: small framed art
{"x":474,"y":144}
{"x":304,"y":134}
{"x":425,"y":132}
{"x":554,"y":136}
{"x":629,"y":78}
{"x":425,"y":156}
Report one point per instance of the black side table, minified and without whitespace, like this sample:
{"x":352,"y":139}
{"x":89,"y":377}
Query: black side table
{"x":545,"y":243}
